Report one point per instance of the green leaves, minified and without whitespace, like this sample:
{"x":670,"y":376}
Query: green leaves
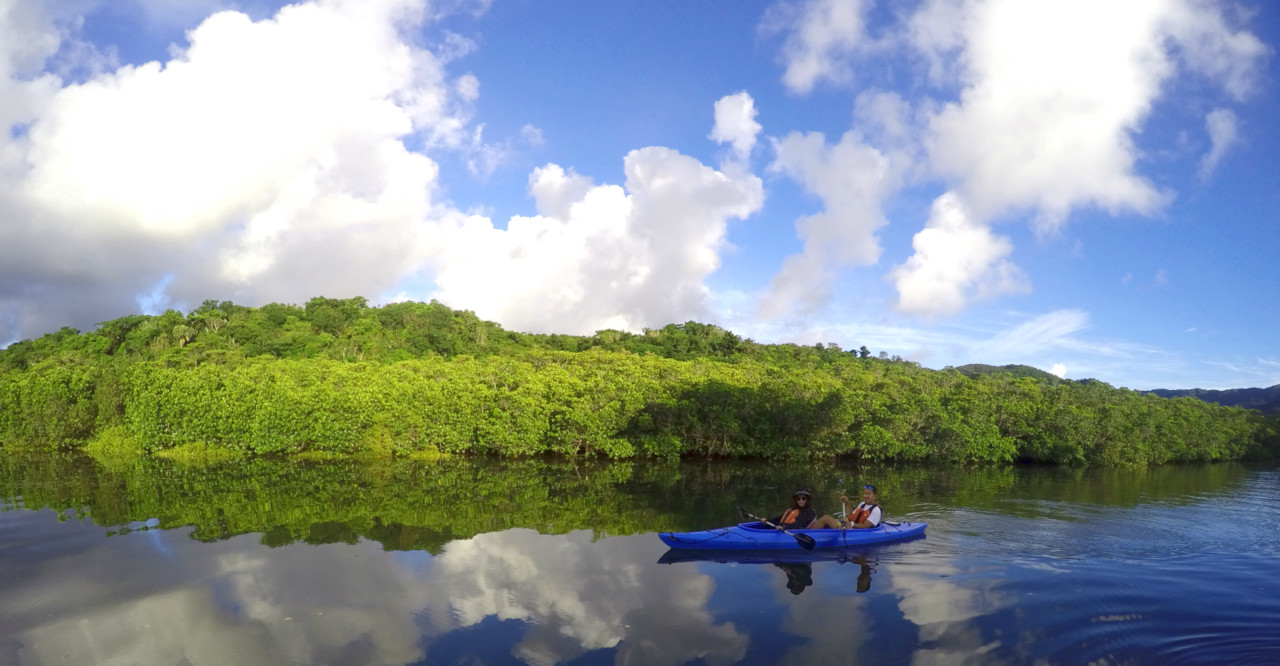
{"x":337,"y":377}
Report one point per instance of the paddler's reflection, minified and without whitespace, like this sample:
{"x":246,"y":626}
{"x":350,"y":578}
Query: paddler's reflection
{"x":799,"y":571}
{"x":799,"y":575}
{"x":864,"y":576}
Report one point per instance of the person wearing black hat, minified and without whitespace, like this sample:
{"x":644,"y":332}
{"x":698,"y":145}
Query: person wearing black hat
{"x":799,"y":515}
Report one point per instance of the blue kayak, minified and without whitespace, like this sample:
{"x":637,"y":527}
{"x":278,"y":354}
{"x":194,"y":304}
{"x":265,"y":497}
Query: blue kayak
{"x":852,"y":554}
{"x":755,"y":536}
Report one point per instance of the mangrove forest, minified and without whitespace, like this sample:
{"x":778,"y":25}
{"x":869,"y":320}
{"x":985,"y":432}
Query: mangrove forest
{"x":338,"y":377}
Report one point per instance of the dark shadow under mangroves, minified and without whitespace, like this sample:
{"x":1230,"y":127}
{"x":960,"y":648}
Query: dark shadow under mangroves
{"x":409,"y":505}
{"x":726,"y":419}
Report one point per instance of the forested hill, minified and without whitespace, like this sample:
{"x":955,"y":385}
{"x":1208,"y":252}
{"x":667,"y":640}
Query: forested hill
{"x":1265,"y":400}
{"x":976,"y":369}
{"x":337,"y":377}
{"x":350,"y":330}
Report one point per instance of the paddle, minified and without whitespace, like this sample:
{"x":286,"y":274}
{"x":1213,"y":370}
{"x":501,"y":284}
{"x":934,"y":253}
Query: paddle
{"x":806,"y":542}
{"x":844,"y":537}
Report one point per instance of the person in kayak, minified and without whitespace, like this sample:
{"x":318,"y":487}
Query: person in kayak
{"x":865,"y":515}
{"x":799,"y":515}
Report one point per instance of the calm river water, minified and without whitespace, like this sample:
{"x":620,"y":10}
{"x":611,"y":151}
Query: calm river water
{"x":545,"y":562}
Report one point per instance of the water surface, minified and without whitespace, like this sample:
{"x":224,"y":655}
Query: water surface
{"x":544,"y":562}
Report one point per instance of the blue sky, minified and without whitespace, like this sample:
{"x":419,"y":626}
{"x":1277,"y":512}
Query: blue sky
{"x":1081,"y":187}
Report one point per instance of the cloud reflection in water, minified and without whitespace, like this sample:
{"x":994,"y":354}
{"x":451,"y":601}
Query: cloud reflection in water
{"x":599,"y":595}
{"x":170,"y":599}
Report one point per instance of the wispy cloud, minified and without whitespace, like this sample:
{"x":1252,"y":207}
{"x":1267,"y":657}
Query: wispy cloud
{"x":1044,"y":332}
{"x":1053,"y":341}
{"x":1221,"y":125}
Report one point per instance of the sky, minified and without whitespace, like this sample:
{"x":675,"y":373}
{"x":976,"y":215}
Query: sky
{"x":1083,"y":186}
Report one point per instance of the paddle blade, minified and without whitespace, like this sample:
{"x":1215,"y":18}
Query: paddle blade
{"x":806,"y":542}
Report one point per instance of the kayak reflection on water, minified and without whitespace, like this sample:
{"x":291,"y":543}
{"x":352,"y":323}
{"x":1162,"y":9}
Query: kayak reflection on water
{"x":798,"y":565}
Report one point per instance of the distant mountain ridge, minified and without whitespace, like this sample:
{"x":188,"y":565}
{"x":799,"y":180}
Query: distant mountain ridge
{"x":1266,"y":400}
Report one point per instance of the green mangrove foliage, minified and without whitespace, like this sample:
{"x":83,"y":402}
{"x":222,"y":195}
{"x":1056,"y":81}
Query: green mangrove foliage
{"x":337,"y":377}
{"x":406,"y":504}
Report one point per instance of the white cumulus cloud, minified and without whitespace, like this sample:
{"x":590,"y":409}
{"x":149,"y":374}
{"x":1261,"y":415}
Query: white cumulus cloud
{"x":1046,"y":126}
{"x":270,"y":160}
{"x":1043,"y":124}
{"x":1019,"y":118}
{"x":263,"y":161}
{"x":601,"y":256}
{"x":736,"y":123}
{"x":955,"y":260}
{"x":852,"y":179}
{"x":821,"y":35}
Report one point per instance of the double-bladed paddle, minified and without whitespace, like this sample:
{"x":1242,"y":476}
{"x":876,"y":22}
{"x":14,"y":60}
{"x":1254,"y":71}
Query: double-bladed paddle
{"x":806,"y":542}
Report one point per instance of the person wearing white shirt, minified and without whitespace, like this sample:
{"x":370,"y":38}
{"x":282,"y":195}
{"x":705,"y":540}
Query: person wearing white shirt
{"x":864,"y":516}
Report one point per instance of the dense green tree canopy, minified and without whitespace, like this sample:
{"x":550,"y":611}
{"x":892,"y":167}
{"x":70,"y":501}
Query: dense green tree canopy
{"x":337,"y":376}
